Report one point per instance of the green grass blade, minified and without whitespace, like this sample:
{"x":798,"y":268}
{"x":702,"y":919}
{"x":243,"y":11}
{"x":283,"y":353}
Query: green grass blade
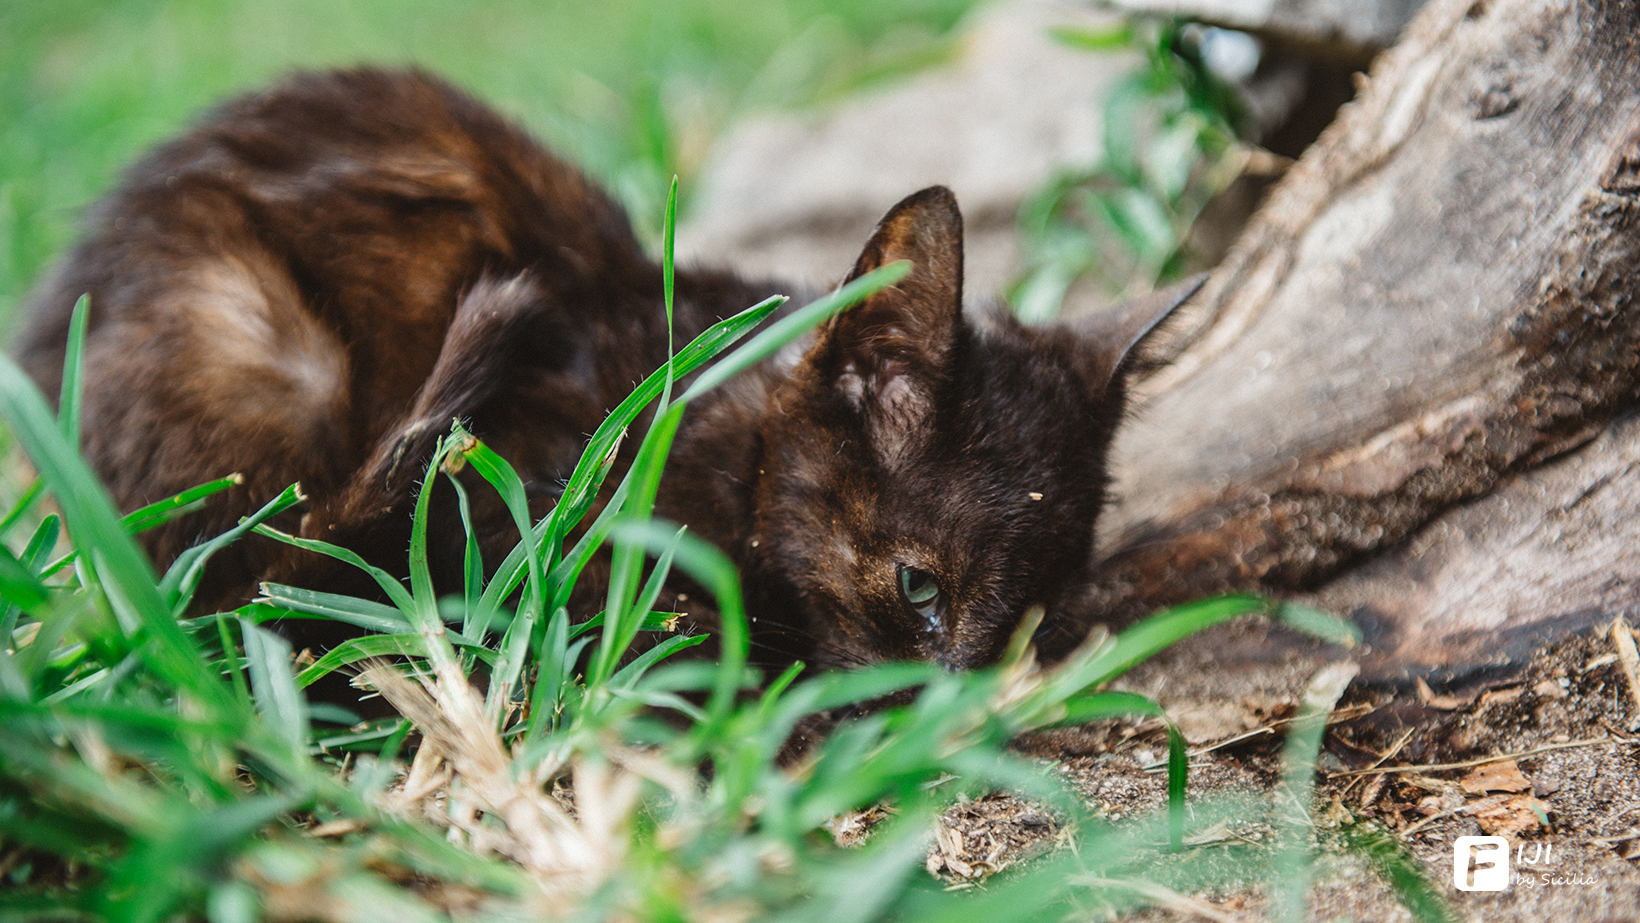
{"x":515,"y":648}
{"x":105,"y":680}
{"x":553,"y":668}
{"x":423,"y":612}
{"x":390,"y":585}
{"x":1403,"y":872}
{"x":568,"y":571}
{"x":274,"y":690}
{"x":148,"y":884}
{"x":796,"y":324}
{"x":652,"y":621}
{"x":514,"y":568}
{"x":73,"y":387}
{"x":37,"y":552}
{"x":557,"y":693}
{"x":1151,"y":636}
{"x":510,"y":486}
{"x":185,"y":573}
{"x":645,"y":603}
{"x":1098,"y":706}
{"x":403,"y":644}
{"x":353,"y":650}
{"x":57,"y":621}
{"x":1178,"y":767}
{"x":34,"y":559}
{"x":584,"y":481}
{"x":595,"y":461}
{"x":15,"y":515}
{"x":627,"y":677}
{"x":362,"y":613}
{"x":1095,"y":38}
{"x":668,"y":235}
{"x":230,"y":658}
{"x":157,"y":514}
{"x":713,"y":570}
{"x":1294,"y":864}
{"x":620,"y":621}
{"x":407,"y":644}
{"x":833,"y":690}
{"x":1317,"y":624}
{"x":18,"y":585}
{"x":472,"y":561}
{"x":773,"y":691}
{"x":120,"y":566}
{"x":640,"y":613}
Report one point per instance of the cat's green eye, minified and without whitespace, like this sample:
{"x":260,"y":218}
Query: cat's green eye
{"x":921,"y":592}
{"x":919,"y":586}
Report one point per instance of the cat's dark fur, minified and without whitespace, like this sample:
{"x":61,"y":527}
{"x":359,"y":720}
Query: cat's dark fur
{"x":313,"y":282}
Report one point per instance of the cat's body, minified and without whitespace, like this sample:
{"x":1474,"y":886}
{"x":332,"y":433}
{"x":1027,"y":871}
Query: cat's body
{"x":312,"y":283}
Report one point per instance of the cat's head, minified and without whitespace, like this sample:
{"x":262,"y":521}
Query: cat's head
{"x":926,"y":479}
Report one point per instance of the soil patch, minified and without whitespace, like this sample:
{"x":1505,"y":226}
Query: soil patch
{"x":1543,"y":758}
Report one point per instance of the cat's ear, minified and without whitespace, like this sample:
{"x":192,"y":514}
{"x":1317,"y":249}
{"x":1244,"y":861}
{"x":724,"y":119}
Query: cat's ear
{"x":890,"y":354}
{"x":1116,"y":337}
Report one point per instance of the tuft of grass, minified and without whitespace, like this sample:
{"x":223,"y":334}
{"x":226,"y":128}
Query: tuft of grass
{"x":1169,"y":146}
{"x":155,"y":764}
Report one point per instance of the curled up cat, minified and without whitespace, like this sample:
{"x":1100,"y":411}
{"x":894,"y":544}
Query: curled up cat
{"x":312,"y":282}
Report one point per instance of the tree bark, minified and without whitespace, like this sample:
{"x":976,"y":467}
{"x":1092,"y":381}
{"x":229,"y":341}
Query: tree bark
{"x":1399,"y":389}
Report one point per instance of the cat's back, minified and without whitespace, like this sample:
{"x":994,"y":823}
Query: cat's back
{"x":368,"y":199}
{"x":270,"y":290}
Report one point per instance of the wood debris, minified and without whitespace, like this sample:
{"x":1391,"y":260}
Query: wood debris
{"x":1623,"y":640}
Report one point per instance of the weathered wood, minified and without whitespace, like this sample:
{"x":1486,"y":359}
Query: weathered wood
{"x":1554,"y":550}
{"x":1437,"y":299}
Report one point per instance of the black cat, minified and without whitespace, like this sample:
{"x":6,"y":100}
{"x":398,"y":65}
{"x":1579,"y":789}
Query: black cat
{"x":312,"y":282}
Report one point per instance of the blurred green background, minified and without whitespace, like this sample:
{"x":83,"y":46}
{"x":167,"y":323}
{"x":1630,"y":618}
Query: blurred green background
{"x":635,"y":90}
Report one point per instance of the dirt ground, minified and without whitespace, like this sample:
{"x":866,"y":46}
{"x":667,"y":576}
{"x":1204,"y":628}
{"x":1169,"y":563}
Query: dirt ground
{"x":1544,"y":758}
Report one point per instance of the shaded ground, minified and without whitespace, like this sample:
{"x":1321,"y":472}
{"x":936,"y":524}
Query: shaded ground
{"x":1544,"y":758}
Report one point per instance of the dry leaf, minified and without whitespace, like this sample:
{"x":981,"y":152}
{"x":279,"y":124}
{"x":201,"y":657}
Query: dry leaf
{"x":1508,"y":815}
{"x":1495,"y":777}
